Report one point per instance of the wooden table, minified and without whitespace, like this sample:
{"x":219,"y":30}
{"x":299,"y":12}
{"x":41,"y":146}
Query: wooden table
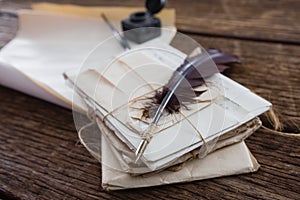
{"x":39,"y":154}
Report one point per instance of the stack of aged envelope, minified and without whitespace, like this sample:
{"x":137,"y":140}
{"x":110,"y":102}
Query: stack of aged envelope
{"x":117,"y":95}
{"x":55,"y":39}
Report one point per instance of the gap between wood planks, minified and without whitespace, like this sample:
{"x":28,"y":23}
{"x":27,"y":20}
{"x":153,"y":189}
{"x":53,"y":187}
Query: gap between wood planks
{"x":264,"y":40}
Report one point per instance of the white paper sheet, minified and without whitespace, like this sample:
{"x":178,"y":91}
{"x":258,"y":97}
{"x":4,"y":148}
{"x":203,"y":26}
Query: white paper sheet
{"x":48,"y":44}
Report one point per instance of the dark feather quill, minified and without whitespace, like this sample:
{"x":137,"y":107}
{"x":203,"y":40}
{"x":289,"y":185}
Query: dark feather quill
{"x":185,"y":92}
{"x":180,"y":89}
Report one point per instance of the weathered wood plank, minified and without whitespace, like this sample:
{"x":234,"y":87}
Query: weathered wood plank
{"x":8,"y":28}
{"x":265,"y":20}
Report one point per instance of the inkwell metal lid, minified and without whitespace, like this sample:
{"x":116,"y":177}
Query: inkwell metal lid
{"x":155,"y":6}
{"x":152,"y":6}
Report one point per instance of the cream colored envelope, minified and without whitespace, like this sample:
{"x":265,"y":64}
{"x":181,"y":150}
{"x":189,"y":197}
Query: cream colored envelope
{"x":230,"y":160}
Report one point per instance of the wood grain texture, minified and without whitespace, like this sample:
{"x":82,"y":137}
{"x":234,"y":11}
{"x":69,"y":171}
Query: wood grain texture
{"x":41,"y":159}
{"x":267,"y":20}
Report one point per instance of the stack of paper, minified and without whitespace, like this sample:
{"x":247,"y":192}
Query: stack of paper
{"x":129,"y":82}
{"x":55,"y":39}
